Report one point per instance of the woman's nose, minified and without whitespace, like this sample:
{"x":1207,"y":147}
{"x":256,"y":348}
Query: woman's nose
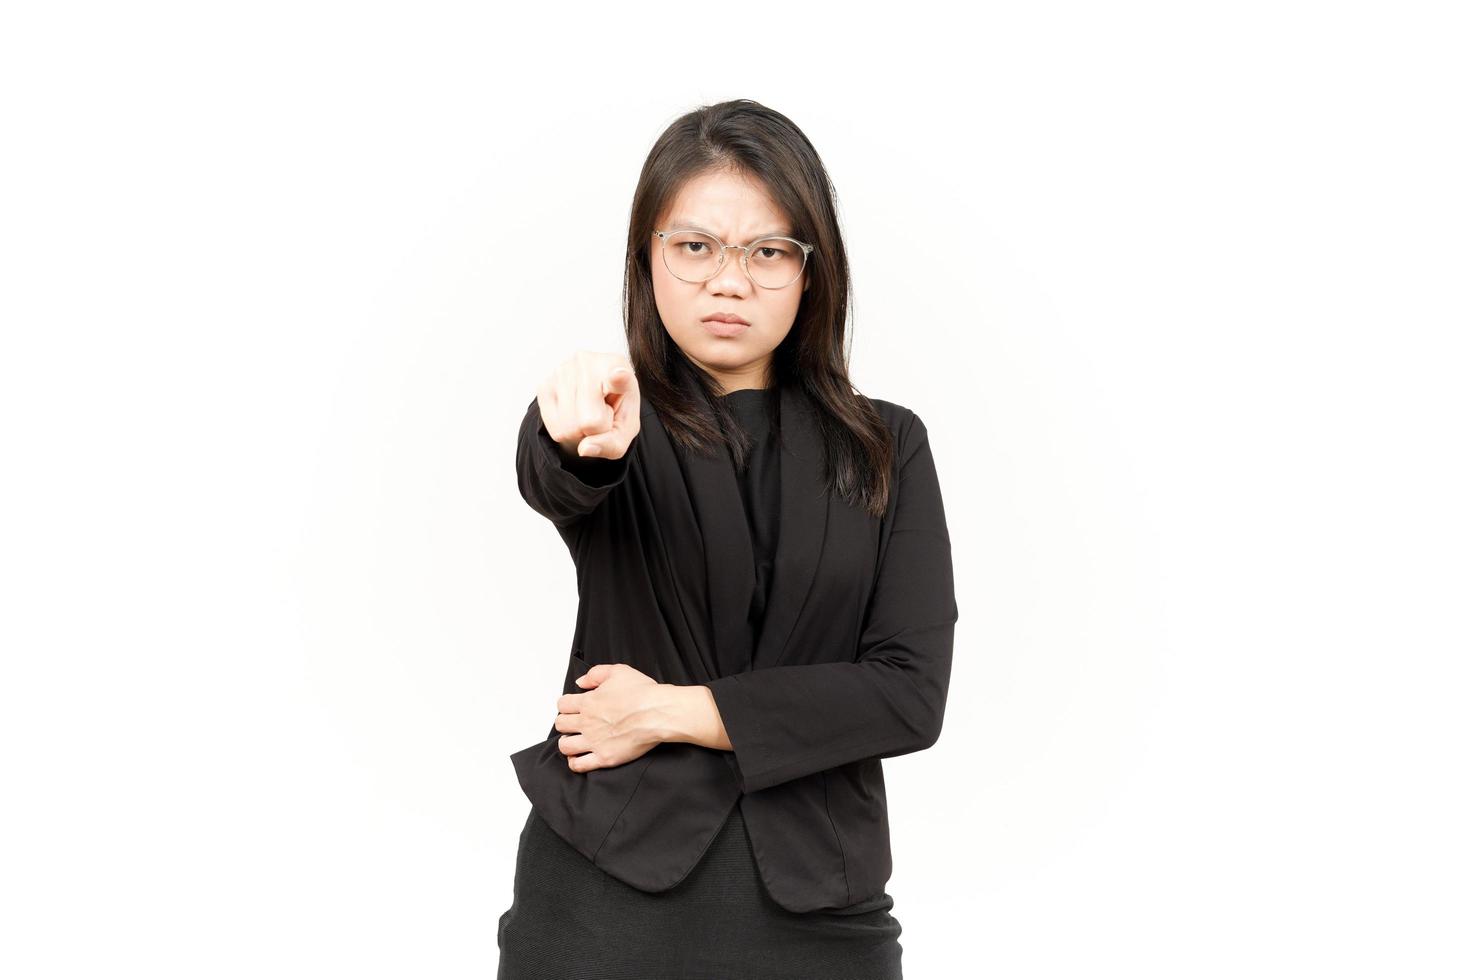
{"x":731,"y":278}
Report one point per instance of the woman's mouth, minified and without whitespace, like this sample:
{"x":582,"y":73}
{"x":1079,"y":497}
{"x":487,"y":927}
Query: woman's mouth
{"x":722,"y":329}
{"x":725,"y":325}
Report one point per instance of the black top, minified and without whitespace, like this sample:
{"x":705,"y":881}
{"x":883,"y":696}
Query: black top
{"x":851,"y":667}
{"x":760,"y":489}
{"x":720,"y":916}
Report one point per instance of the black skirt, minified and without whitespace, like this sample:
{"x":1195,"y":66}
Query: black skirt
{"x":570,"y":920}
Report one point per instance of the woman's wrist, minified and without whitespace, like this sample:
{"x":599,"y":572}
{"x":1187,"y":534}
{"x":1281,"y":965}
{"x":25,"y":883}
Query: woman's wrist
{"x":689,"y":714}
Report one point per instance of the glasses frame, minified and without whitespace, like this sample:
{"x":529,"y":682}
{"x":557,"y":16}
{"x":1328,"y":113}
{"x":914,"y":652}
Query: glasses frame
{"x":806,"y":250}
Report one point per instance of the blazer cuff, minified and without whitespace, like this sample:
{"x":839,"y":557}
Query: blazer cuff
{"x":592,"y":472}
{"x":563,"y":489}
{"x":742,"y":720}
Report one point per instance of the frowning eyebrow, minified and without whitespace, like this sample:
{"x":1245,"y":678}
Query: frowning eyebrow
{"x":696,"y":226}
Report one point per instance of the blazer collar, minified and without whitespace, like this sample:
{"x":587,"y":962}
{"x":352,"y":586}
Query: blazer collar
{"x":707,"y":538}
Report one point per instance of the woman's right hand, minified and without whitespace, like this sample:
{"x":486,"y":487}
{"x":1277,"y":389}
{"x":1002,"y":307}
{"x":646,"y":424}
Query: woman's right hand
{"x":590,"y":405}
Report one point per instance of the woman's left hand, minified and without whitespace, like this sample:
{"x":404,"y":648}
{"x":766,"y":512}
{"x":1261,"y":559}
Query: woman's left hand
{"x":619,"y":719}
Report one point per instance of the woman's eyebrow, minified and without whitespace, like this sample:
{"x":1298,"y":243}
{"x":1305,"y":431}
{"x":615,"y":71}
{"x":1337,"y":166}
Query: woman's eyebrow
{"x":696,"y":226}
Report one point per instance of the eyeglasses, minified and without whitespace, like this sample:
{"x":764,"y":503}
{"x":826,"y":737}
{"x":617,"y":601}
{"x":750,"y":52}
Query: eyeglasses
{"x":770,"y":263}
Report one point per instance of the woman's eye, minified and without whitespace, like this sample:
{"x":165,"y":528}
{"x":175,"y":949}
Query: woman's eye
{"x":694,"y":245}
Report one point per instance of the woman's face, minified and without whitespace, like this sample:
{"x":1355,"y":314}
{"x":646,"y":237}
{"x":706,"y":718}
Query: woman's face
{"x":736,"y":210}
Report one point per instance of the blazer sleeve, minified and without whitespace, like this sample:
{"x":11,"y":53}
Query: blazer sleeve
{"x":790,"y":721}
{"x":559,"y":488}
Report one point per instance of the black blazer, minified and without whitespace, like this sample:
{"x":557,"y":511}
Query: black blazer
{"x":852,"y":664}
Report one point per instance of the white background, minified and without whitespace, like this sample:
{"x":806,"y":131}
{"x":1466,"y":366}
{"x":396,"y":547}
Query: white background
{"x":1179,"y":290}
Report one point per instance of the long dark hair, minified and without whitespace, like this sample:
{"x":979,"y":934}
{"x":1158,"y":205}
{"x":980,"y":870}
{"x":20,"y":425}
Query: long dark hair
{"x":748,"y":139}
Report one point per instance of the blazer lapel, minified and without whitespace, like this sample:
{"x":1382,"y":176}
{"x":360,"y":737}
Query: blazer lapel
{"x":729,"y":560}
{"x":709,"y":542}
{"x":803,"y":528}
{"x":681,"y":539}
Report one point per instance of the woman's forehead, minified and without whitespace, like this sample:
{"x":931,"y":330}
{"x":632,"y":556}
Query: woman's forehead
{"x":722,"y":204}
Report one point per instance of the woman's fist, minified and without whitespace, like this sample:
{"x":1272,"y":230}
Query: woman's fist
{"x":620,"y":715}
{"x":589,"y":404}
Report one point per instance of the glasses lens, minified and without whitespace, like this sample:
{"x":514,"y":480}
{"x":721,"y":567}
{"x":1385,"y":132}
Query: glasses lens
{"x":775,"y":262}
{"x":691,"y":256}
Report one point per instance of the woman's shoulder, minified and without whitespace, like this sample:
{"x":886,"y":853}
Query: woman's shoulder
{"x":900,"y":418}
{"x":908,"y":428}
{"x":890,"y":410}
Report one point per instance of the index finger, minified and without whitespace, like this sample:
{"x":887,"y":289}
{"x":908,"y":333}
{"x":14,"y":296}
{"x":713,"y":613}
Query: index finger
{"x":623,"y":383}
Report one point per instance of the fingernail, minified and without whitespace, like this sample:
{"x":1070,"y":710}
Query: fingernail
{"x":592,"y":450}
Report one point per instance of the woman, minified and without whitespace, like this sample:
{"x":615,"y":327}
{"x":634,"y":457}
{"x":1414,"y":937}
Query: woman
{"x":766,"y":601}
